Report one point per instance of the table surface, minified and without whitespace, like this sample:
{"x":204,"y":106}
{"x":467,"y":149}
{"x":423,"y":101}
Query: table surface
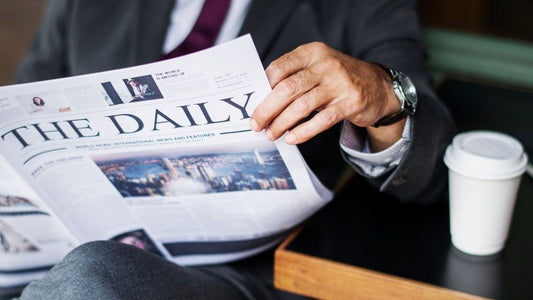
{"x":412,"y":242}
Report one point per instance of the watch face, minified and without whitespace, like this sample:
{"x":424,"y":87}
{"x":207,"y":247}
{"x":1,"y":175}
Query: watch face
{"x":409,"y":90}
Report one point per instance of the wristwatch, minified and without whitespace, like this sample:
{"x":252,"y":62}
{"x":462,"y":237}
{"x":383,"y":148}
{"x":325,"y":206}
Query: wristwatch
{"x":405,"y":91}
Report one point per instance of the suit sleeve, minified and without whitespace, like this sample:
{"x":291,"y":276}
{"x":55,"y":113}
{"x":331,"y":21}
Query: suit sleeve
{"x":47,"y":55}
{"x":388,"y":32}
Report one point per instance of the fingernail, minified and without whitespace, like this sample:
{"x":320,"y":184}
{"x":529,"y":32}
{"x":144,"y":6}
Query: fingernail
{"x":290,"y":138}
{"x":253,"y":125}
{"x":269,"y":134}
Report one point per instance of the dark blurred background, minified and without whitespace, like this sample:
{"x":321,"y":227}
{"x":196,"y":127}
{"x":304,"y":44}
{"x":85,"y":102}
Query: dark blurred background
{"x":507,"y":19}
{"x":499,"y":18}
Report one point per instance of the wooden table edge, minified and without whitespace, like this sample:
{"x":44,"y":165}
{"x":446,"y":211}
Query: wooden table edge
{"x":326,"y":279}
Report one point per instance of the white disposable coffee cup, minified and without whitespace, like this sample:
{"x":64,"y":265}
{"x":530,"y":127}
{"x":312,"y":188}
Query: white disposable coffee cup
{"x":485,"y":169}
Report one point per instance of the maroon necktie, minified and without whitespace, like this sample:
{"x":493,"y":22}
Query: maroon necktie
{"x":205,"y":31}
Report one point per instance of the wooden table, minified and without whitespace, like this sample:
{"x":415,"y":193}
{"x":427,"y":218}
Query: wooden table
{"x":377,"y":248}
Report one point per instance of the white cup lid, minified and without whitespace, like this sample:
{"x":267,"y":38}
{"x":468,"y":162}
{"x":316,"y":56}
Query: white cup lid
{"x":486,"y":155}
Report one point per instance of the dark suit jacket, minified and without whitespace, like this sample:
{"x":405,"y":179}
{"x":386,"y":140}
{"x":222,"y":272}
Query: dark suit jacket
{"x":84,"y":36}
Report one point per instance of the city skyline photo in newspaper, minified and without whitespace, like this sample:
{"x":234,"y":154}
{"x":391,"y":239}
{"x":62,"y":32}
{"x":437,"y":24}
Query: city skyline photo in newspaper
{"x":196,"y":170}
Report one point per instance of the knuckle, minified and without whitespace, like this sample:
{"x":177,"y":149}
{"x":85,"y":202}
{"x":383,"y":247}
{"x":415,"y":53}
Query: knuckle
{"x":333,"y":64}
{"x":303,"y":106}
{"x":318,"y":46}
{"x":274,"y":69}
{"x":329,"y":117}
{"x":287,"y":87}
{"x":312,"y":48}
{"x":306,"y":80}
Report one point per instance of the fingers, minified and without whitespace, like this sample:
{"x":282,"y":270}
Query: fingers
{"x":296,"y":111}
{"x":291,"y":76}
{"x":311,"y":78}
{"x":289,"y":90}
{"x":292,"y":62}
{"x":318,"y":123}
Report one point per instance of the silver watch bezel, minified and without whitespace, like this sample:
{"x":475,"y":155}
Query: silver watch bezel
{"x":405,"y":91}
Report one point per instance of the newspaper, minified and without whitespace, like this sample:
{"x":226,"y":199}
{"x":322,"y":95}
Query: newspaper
{"x":159,"y":156}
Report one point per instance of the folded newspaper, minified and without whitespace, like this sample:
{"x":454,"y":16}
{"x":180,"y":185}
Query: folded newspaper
{"x":159,"y":156}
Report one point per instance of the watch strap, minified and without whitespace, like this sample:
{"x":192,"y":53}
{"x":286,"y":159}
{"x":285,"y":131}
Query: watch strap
{"x":391,"y":119}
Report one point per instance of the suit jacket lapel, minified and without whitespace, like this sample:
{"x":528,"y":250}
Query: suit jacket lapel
{"x":264,"y":20}
{"x":151,"y":27}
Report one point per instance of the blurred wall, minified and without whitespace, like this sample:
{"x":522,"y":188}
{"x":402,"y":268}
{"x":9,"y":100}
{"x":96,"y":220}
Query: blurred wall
{"x":18,"y":21}
{"x":510,"y":19}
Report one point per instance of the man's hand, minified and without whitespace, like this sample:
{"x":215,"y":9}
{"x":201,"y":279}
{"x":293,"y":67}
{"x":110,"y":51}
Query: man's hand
{"x":315,"y":77}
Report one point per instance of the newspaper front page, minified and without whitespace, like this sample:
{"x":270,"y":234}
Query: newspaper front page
{"x":159,"y":156}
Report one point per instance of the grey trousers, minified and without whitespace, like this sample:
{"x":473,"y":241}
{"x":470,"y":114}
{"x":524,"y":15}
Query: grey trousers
{"x":110,"y":270}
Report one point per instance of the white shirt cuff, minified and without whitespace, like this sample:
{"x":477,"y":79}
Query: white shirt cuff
{"x":373,"y":164}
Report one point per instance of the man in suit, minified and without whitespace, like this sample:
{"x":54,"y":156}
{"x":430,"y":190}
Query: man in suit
{"x":141,"y":91}
{"x":326,"y":66}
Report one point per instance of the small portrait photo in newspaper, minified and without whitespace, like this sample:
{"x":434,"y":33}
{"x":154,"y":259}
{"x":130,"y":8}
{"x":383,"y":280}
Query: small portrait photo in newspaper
{"x":44,"y":103}
{"x":133,"y":89}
